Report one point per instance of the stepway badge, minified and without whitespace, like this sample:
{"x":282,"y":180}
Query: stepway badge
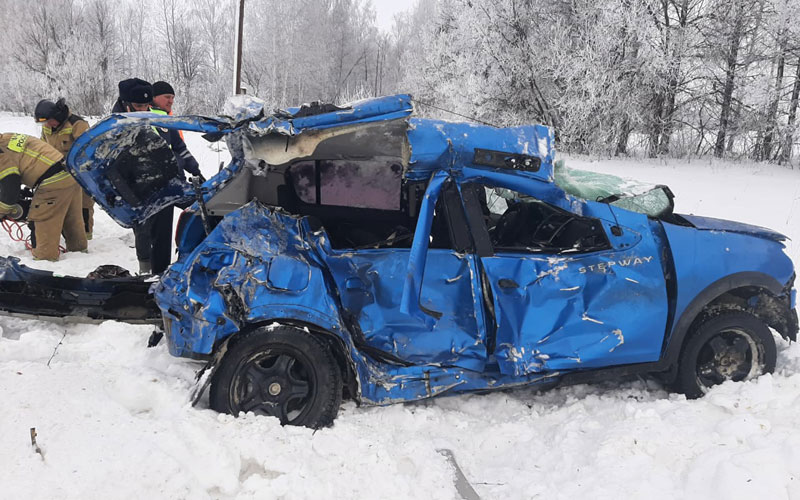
{"x":602,"y":267}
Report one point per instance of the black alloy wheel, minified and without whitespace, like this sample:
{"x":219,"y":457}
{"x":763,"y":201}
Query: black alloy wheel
{"x":282,"y":372}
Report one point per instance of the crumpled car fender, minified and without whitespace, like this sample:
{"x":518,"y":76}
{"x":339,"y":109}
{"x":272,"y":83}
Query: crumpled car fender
{"x":750,"y":261}
{"x":229,"y":284}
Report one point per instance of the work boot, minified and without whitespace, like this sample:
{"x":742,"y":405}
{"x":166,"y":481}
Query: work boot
{"x":144,"y":267}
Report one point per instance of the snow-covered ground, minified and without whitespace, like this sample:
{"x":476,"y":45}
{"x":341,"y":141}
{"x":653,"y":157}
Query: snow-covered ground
{"x":113,"y":420}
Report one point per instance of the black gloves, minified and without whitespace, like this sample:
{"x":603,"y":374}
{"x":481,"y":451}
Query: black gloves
{"x":21,"y":208}
{"x":24,"y":202}
{"x":191,"y":165}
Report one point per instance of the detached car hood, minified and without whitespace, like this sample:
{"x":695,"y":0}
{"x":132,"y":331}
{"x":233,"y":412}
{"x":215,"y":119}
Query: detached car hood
{"x":711,"y":224}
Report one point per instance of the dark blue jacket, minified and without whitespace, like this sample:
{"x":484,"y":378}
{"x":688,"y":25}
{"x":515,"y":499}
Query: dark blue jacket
{"x":173,"y":137}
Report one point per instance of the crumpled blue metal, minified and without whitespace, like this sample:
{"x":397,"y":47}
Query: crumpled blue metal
{"x":91,"y":161}
{"x":437,"y":144}
{"x":417,"y":322}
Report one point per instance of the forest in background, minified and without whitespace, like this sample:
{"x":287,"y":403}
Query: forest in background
{"x":650,"y":78}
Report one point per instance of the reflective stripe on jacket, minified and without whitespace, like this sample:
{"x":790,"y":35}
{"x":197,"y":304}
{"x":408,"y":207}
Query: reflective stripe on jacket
{"x":63,"y":136}
{"x":29,"y":157}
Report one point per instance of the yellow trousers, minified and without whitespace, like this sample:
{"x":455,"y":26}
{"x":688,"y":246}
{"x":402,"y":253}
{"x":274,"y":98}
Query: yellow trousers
{"x":52,"y":212}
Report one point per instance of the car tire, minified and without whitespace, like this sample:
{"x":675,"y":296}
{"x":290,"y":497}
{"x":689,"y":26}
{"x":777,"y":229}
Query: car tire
{"x":732,"y":345}
{"x":283,"y":372}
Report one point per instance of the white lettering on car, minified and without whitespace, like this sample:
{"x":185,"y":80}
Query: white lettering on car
{"x":603,"y":267}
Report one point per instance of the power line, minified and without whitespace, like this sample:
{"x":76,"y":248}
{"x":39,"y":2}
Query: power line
{"x":472,"y":118}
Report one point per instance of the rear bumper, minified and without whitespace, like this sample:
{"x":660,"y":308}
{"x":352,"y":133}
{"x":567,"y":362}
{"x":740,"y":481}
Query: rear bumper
{"x":40,"y":294}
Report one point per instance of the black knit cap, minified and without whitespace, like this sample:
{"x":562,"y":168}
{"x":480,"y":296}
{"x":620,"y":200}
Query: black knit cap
{"x":135,"y":90}
{"x":46,"y":109}
{"x":161,"y":88}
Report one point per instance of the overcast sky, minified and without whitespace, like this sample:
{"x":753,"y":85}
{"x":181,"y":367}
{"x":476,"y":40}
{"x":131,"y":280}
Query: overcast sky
{"x":386,"y":9}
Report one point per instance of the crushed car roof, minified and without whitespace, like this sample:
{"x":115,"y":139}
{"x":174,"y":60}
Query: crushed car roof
{"x":120,"y":147}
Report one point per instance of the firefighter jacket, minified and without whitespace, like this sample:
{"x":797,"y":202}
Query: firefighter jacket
{"x":27,"y":160}
{"x":63,"y":136}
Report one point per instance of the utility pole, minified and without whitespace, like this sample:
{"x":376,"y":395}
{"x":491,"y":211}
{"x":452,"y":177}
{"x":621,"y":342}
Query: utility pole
{"x":237,"y":49}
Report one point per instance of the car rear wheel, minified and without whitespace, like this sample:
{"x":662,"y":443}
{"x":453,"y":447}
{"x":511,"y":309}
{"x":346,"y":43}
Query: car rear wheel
{"x":730,"y":346}
{"x":282,"y":372}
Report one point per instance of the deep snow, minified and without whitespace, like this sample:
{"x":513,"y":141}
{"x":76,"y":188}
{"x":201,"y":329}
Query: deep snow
{"x":113,"y":418}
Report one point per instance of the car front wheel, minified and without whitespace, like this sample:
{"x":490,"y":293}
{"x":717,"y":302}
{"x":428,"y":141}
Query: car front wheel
{"x":730,"y":346}
{"x":282,"y":372}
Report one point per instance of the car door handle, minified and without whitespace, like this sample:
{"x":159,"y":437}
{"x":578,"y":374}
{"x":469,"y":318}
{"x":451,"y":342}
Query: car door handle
{"x":507,"y":283}
{"x":354,"y":284}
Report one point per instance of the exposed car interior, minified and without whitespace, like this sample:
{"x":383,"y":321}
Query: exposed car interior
{"x":365,"y":203}
{"x":350,"y":182}
{"x":355,"y":211}
{"x":517,"y":222}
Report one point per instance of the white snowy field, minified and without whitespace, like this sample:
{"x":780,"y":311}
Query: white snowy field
{"x":113,"y":418}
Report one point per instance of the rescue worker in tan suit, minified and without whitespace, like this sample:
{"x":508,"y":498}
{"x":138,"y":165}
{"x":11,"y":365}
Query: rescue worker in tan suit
{"x":60,"y":128}
{"x":56,"y":204}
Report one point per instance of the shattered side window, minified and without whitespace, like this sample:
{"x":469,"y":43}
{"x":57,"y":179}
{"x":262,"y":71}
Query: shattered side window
{"x":362,"y":184}
{"x":494,"y":201}
{"x":517,"y":222}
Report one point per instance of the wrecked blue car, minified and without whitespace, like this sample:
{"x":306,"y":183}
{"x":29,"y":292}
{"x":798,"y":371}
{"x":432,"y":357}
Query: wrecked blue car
{"x":360,"y":252}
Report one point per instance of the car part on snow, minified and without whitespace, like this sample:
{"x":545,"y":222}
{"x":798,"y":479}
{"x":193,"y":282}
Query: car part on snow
{"x":155,"y":337}
{"x":464,"y":489}
{"x":279,"y":371}
{"x":41,"y":294}
{"x":731,"y":345}
{"x":108,"y":271}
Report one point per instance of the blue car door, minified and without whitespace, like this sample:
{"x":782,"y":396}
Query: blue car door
{"x":569,"y":291}
{"x":371,"y":285}
{"x":370,"y":277}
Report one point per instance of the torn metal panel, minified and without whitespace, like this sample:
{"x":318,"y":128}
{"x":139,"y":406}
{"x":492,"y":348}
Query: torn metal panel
{"x":230,"y":281}
{"x":437,"y":144}
{"x":364,"y":111}
{"x":242,"y":107}
{"x":371,"y":289}
{"x":410,"y":301}
{"x":383,"y":384}
{"x":129,"y":169}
